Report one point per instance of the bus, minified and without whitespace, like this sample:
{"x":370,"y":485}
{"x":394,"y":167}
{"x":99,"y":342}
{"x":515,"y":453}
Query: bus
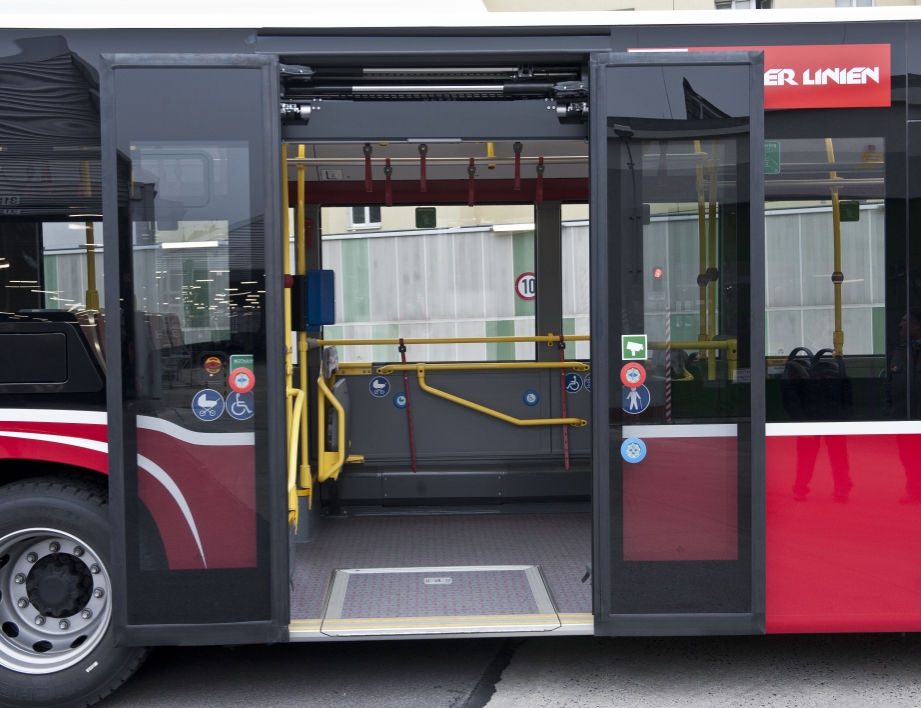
{"x":318,"y":329}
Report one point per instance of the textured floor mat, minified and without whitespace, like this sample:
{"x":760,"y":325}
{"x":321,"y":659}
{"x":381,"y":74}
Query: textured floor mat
{"x":559,"y":543}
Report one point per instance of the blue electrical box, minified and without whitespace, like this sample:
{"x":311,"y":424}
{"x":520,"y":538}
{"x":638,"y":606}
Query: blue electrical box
{"x":320,"y":298}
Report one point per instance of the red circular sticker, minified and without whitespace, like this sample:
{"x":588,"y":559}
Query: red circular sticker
{"x":633,"y":375}
{"x":242,"y":380}
{"x":526,"y":286}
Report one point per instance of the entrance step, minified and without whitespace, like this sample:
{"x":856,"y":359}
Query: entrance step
{"x":438,"y":600}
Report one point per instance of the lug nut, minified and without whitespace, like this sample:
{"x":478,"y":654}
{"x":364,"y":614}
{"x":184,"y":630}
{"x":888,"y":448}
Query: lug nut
{"x":98,"y":592}
{"x":78,"y":551}
{"x":22,"y":603}
{"x":54,"y":546}
{"x":94,"y":569}
{"x":32,"y":557}
{"x":86,"y":614}
{"x":64,"y":624}
{"x":19,"y":579}
{"x":39,"y":620}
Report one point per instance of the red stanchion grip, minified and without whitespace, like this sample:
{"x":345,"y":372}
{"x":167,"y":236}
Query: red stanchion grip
{"x":423,"y":149}
{"x":539,"y":191}
{"x":517,"y":147}
{"x":388,"y":186}
{"x":369,"y":178}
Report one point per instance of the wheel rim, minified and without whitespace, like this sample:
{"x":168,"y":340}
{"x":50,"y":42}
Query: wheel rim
{"x":54,"y":600}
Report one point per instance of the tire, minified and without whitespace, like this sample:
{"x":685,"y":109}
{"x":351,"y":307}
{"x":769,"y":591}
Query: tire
{"x":54,"y":556}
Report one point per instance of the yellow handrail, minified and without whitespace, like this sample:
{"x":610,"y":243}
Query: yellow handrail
{"x":324,"y":470}
{"x":306,"y":476}
{"x":420,"y":372}
{"x":293,"y":431}
{"x":548,"y":339}
{"x":480,"y":366}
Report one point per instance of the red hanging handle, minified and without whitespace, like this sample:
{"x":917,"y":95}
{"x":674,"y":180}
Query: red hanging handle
{"x":565,"y":408}
{"x":309,"y":231}
{"x":369,"y":178}
{"x":471,"y":171}
{"x":409,"y":408}
{"x":539,"y":191}
{"x":517,"y":147}
{"x":388,"y":187}
{"x":423,"y":149}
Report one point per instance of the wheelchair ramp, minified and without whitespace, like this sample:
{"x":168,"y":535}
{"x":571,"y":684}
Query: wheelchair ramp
{"x":438,"y":600}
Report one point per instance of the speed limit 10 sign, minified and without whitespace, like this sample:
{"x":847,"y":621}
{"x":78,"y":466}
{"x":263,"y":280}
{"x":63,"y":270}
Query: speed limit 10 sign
{"x":525,"y":286}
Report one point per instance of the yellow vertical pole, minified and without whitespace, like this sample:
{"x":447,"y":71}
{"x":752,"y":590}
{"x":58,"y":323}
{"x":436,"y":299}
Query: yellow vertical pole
{"x":702,"y":240}
{"x":714,"y":167}
{"x":837,"y":277}
{"x":306,"y":479}
{"x":92,"y":294}
{"x":286,"y":237}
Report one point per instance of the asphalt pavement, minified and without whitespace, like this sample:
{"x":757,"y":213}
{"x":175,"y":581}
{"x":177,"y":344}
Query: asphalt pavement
{"x":563,"y":672}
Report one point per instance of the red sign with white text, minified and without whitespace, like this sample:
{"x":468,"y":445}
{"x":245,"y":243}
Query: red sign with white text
{"x":821,"y":75}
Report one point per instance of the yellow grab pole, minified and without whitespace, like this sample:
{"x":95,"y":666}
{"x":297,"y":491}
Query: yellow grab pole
{"x":420,"y":372}
{"x":306,"y":476}
{"x":702,"y":241}
{"x":286,"y":259}
{"x":837,"y":277}
{"x":292,"y":457}
{"x":711,"y":259}
{"x":551,"y":339}
{"x":92,"y":294}
{"x":486,"y":366}
{"x":327,"y":470}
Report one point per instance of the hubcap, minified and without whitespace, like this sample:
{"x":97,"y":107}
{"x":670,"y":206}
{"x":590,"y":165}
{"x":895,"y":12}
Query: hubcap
{"x":54,"y":600}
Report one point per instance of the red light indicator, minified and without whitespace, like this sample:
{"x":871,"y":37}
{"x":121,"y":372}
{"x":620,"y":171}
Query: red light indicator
{"x":657,"y":273}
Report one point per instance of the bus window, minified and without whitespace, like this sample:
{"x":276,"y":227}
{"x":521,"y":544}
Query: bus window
{"x":468,"y":273}
{"x":66,"y":252}
{"x":827,"y":316}
{"x":576,"y":292}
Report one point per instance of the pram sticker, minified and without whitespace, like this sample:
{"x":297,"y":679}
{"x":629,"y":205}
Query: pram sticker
{"x":379,"y":387}
{"x":208,"y":405}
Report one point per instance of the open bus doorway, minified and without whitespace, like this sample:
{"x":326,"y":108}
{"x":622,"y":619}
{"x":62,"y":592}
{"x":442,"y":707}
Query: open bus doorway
{"x":462,"y":505}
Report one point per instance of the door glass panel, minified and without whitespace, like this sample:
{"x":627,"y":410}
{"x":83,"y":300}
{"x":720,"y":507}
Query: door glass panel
{"x":192,"y":244}
{"x":680,"y":315}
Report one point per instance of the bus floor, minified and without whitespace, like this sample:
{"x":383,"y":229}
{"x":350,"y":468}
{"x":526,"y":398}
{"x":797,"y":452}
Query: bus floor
{"x":559,"y":543}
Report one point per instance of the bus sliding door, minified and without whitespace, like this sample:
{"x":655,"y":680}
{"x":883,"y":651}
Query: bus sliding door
{"x":677,"y":286}
{"x":191,"y":160}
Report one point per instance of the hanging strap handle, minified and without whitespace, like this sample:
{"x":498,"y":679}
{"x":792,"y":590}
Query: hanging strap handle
{"x":471,"y":172}
{"x":423,"y":150}
{"x":388,"y":186}
{"x":369,"y":179}
{"x":539,"y":191}
{"x":517,"y":147}
{"x":565,"y":407}
{"x":409,"y":408}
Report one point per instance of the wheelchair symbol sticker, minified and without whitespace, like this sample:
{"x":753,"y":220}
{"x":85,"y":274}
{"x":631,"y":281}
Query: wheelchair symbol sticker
{"x":379,"y":387}
{"x":400,"y":400}
{"x":241,"y":406}
{"x":531,"y":398}
{"x":208,"y":405}
{"x":573,"y":383}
